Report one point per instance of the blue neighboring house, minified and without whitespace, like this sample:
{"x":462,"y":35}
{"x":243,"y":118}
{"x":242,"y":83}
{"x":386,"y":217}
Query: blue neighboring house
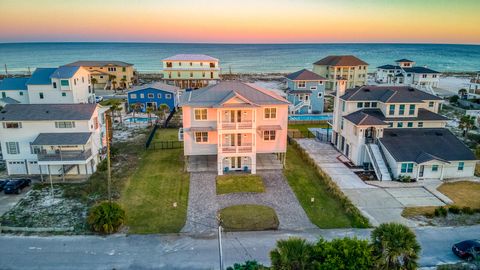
{"x":153,"y":95}
{"x":306,"y":91}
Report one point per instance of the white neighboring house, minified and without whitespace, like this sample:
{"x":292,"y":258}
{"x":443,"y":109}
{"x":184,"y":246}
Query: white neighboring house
{"x":235,"y":123}
{"x":474,"y":86}
{"x":52,"y":139}
{"x":191,"y":71}
{"x":13,"y":91}
{"x":66,"y":84}
{"x":396,"y":130}
{"x":404,"y":72}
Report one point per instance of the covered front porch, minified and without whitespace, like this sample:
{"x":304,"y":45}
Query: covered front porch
{"x":209,"y":163}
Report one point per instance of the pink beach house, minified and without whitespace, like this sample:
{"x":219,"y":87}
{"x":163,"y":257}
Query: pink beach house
{"x":236,"y":124}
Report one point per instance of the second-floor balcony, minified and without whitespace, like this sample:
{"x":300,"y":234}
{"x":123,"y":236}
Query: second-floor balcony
{"x":237,"y":125}
{"x":244,"y":148}
{"x":73,"y":155}
{"x":477,"y":80}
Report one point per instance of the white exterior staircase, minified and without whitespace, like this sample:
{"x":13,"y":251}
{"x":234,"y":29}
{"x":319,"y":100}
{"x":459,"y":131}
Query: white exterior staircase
{"x":298,"y":106}
{"x":379,"y":165}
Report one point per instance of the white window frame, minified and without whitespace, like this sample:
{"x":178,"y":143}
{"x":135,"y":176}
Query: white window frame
{"x":142,"y":95}
{"x":133,"y":95}
{"x":168,"y":96}
{"x":270,"y":113}
{"x":200,"y":137}
{"x":12,"y":146}
{"x":65,"y":124}
{"x":6,"y":124}
{"x":150,"y":95}
{"x":313,"y":88}
{"x":269,"y":135}
{"x":301,"y":84}
{"x":202,"y":116}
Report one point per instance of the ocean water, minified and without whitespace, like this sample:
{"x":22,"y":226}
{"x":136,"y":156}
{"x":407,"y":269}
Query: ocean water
{"x":244,"y":58}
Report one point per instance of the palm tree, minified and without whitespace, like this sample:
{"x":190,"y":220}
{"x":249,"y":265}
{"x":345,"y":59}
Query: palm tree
{"x":395,"y":247}
{"x":467,"y":122}
{"x":135,"y":108}
{"x":111,"y":79}
{"x":462,"y":93}
{"x":291,"y":254}
{"x":93,"y":81}
{"x":124,"y":82}
{"x":149,"y":111}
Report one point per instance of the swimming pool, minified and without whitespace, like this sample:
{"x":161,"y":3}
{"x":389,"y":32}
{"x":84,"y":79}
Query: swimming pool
{"x":310,"y":117}
{"x":139,"y":119}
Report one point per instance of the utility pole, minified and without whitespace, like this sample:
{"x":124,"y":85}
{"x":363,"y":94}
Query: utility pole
{"x":6,"y":71}
{"x":220,"y":249}
{"x":109,"y":172}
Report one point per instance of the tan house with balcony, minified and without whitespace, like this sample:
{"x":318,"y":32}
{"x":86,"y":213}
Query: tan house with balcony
{"x":191,"y":71}
{"x":109,"y":74}
{"x":342,"y":67}
{"x":235,"y":124}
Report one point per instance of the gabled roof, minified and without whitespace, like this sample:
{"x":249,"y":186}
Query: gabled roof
{"x":360,"y":118}
{"x":389,"y":67}
{"x":305,"y":75}
{"x":64,"y":72}
{"x":47,"y":112}
{"x":341,"y":60}
{"x":403,"y":60}
{"x":215,"y":95}
{"x":190,"y":57}
{"x":156,"y":86}
{"x":421,"y":70}
{"x":14,"y":84}
{"x":41,"y":76}
{"x":94,"y":63}
{"x":387,"y":94}
{"x":424,"y":144}
{"x":67,"y":138}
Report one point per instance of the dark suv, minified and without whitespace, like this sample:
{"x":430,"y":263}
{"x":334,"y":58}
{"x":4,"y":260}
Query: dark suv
{"x":2,"y":184}
{"x":14,"y":186}
{"x":468,"y":249}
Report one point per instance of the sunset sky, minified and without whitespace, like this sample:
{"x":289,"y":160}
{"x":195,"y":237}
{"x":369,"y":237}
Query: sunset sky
{"x":241,"y":21}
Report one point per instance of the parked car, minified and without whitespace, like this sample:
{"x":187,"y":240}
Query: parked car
{"x":98,"y":99}
{"x":467,"y":249}
{"x":2,"y":184}
{"x":14,"y":186}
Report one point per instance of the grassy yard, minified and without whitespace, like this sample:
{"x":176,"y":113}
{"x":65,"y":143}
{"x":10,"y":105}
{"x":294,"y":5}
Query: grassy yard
{"x":463,"y":194}
{"x":326,"y":211}
{"x":249,"y":217}
{"x":239,"y":183}
{"x":305,"y":127}
{"x":152,"y":191}
{"x":166,"y":134}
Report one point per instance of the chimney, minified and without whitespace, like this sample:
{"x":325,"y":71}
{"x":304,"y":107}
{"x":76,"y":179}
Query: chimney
{"x":341,"y":87}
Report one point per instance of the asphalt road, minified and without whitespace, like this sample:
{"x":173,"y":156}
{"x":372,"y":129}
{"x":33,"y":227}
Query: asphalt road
{"x":184,"y":252}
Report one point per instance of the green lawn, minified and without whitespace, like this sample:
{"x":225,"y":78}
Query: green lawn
{"x":249,"y":217}
{"x":326,"y":211}
{"x":239,"y":183}
{"x":151,"y":192}
{"x":305,"y":127}
{"x":166,"y":134}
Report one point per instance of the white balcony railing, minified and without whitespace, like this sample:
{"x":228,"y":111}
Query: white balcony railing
{"x":244,"y":148}
{"x":237,"y":125}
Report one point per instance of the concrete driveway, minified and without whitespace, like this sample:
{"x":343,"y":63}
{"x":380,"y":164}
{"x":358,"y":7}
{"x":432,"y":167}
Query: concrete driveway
{"x":7,"y":201}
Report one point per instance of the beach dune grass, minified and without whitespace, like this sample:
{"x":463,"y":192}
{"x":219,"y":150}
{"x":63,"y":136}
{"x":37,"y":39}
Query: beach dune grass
{"x":248,"y":217}
{"x":233,"y":183}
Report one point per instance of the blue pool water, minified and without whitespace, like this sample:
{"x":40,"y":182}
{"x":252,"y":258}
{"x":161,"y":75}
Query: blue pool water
{"x":139,"y":119}
{"x":306,"y":117}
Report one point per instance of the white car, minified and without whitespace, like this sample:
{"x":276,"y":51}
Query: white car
{"x":98,"y":99}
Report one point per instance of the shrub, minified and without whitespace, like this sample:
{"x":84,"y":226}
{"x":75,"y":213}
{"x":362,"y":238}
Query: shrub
{"x":454,"y":99}
{"x":454,"y":209}
{"x":248,"y":265}
{"x":395,"y":247}
{"x":106,"y":217}
{"x":467,"y":210}
{"x":440,"y":212}
{"x":292,"y":253}
{"x":346,"y":253}
{"x":405,"y":179}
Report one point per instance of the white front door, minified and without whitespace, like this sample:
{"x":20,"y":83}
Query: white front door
{"x":236,"y":163}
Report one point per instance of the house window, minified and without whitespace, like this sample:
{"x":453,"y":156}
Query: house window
{"x":64,"y":94}
{"x":40,"y":95}
{"x":391,"y":110}
{"x":191,"y":63}
{"x":359,"y":104}
{"x":54,"y":85}
{"x":390,"y":125}
{"x":168,"y":96}
{"x":150,"y":95}
{"x":200,"y":114}
{"x":434,"y":76}
{"x":374,"y":104}
{"x":270,"y":113}
{"x":400,"y":124}
{"x":411,"y":111}
{"x":319,"y":95}
{"x":178,"y":74}
{"x":343,"y":106}
{"x":367,"y":104}
{"x":424,"y":75}
{"x":64,"y":82}
{"x":212,"y":65}
{"x":12,"y":125}
{"x":201,"y":137}
{"x":12,"y":148}
{"x":420,"y":124}
{"x":302,"y":84}
{"x":133,"y":95}
{"x":269,"y":135}
{"x":169,"y":64}
{"x":95,"y":122}
{"x":431,"y":104}
{"x":124,"y":77}
{"x":83,"y":79}
{"x":341,"y":124}
{"x":191,"y":74}
{"x":142,"y":95}
{"x":203,"y":74}
{"x":65,"y":124}
{"x":407,"y":168}
{"x":159,"y":95}
{"x":410,"y":124}
{"x":461,"y":164}
{"x":401,"y":109}
{"x":21,"y":93}
{"x":434,"y":168}
{"x":313,"y":88}
{"x":124,"y":69}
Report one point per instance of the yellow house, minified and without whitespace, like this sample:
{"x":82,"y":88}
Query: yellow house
{"x":344,"y":67}
{"x":109,"y":74}
{"x":190,"y":70}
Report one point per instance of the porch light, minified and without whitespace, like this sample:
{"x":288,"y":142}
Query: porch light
{"x":312,"y":200}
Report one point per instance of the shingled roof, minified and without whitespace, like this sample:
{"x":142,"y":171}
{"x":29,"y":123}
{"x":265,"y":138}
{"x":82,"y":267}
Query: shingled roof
{"x":422,"y":115}
{"x":47,"y":112}
{"x":14,"y":84}
{"x":215,"y":95}
{"x":190,"y":57}
{"x":305,"y":75}
{"x":403,"y":60}
{"x":360,"y":118}
{"x":421,"y":70}
{"x":423,"y":144}
{"x":387,"y":94}
{"x":66,"y":138}
{"x":341,"y":60}
{"x":95,"y":63}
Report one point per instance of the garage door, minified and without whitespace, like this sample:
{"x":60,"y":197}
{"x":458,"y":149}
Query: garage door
{"x":16,"y":167}
{"x":33,"y":167}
